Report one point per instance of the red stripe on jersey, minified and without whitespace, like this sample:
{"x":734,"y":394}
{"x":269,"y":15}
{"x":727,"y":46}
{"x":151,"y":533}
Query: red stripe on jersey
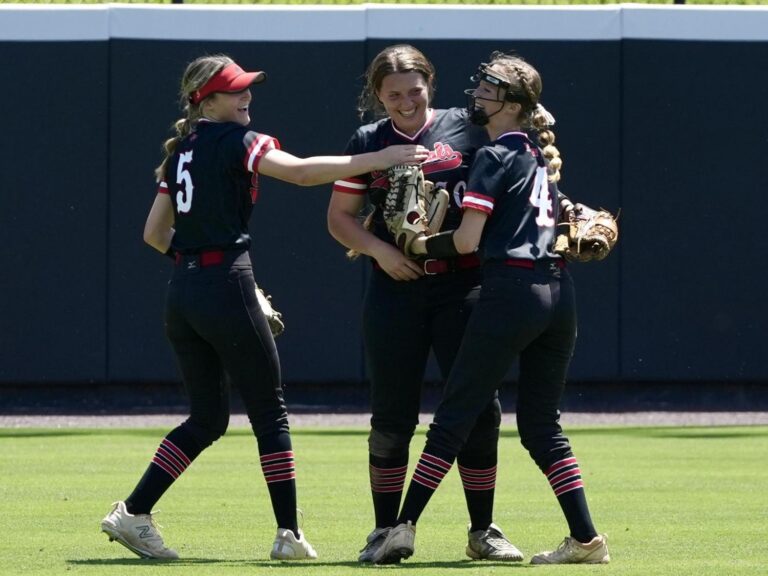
{"x":477,"y":201}
{"x":260,"y":146}
{"x":350,"y":186}
{"x":162,"y":188}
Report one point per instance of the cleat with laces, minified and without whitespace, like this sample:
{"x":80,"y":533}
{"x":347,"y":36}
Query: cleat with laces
{"x":138,"y":533}
{"x":372,"y":544}
{"x":491,"y":544}
{"x":287,"y":547}
{"x":398,"y":545}
{"x":571,"y":551}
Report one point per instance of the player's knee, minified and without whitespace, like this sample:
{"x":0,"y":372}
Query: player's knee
{"x":389,"y":444}
{"x":207,"y":432}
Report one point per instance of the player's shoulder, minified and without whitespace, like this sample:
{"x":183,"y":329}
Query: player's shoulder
{"x":368,"y":136}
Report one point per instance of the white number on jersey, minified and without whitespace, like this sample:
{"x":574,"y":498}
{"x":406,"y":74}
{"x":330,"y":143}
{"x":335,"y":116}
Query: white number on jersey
{"x":184,"y":197}
{"x":541,"y":199}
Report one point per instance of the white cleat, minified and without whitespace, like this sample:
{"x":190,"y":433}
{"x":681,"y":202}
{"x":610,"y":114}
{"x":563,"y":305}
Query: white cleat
{"x":288,"y":547}
{"x":372,"y":544}
{"x":138,"y":533}
{"x":398,"y":545}
{"x":571,"y":551}
{"x":492,"y":544}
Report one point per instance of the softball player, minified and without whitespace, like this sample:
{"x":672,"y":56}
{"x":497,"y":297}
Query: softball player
{"x":526,"y":307}
{"x":412,"y":306}
{"x":208,"y":184}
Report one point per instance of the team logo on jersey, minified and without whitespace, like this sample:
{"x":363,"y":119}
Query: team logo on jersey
{"x":441,"y":158}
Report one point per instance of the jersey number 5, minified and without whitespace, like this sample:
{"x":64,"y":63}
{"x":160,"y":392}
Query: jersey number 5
{"x":541,"y":199}
{"x":184,"y":197}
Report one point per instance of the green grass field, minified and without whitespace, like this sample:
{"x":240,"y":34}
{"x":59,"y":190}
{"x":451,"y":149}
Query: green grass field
{"x":674,"y":501}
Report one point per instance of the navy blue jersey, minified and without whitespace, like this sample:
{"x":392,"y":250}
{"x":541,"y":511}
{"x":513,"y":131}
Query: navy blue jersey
{"x":452,"y":141}
{"x":212,"y":179}
{"x":508,"y":181}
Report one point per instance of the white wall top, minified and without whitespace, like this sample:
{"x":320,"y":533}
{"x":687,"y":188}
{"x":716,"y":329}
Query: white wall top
{"x":25,"y":22}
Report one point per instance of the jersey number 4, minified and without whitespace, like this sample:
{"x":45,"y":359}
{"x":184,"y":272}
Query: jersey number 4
{"x":541,"y":199}
{"x":184,"y":196}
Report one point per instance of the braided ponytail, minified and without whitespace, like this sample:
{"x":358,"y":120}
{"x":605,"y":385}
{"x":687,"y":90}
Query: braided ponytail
{"x":525,"y":81}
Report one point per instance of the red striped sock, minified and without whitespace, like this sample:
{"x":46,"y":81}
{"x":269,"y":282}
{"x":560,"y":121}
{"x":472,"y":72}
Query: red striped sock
{"x":278,"y":466}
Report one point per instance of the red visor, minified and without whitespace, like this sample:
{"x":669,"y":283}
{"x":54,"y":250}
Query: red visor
{"x":231,"y":78}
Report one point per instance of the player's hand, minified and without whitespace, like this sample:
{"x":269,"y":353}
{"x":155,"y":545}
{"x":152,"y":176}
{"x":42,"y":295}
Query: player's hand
{"x":397,"y":265}
{"x":402,"y":154}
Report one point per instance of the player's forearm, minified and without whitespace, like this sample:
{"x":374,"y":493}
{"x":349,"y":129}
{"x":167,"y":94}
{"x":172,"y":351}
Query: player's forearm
{"x":349,"y":232}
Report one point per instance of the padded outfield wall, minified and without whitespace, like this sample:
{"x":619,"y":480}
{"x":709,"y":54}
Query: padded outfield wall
{"x":660,"y":112}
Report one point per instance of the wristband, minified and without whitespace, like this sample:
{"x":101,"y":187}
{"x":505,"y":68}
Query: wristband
{"x":441,"y":245}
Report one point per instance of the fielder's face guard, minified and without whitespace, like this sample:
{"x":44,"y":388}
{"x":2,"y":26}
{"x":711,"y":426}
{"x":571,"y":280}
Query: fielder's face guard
{"x":485,"y":74}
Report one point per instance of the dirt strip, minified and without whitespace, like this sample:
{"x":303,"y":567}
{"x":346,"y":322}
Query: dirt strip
{"x":361,"y":419}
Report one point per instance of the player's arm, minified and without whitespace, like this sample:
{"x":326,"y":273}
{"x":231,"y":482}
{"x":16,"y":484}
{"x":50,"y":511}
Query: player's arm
{"x":158,"y":229}
{"x":464,"y":240}
{"x":346,"y":228}
{"x":324,"y":169}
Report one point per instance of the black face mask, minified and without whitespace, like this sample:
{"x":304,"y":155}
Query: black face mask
{"x":477,"y":115}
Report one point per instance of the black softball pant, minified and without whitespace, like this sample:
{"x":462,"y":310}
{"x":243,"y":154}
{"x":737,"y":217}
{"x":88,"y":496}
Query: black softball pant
{"x":401,"y":322}
{"x":519,"y":312}
{"x":222,"y":339}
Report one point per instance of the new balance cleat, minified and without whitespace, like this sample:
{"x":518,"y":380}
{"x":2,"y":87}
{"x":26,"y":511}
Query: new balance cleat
{"x":571,"y":551}
{"x":138,"y":533}
{"x":398,"y":545}
{"x":372,"y":543}
{"x":492,"y":544}
{"x":287,"y":547}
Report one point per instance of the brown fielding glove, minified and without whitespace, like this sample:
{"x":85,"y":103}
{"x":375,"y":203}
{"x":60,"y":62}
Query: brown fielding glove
{"x":589,"y":234}
{"x":274,"y":318}
{"x":413,"y":206}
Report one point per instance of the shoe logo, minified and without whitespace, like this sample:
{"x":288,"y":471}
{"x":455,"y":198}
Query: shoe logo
{"x":144,"y":531}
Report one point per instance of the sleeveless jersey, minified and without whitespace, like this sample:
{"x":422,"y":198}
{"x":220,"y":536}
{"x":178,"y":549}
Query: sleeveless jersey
{"x":212,"y":179}
{"x":508,"y":181}
{"x":452,"y":141}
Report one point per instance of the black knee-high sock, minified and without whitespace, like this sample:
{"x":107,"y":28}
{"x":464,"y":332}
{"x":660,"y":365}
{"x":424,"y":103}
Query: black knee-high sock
{"x":387,"y":478}
{"x":277,"y":464}
{"x":478,"y":476}
{"x":432,"y":467}
{"x":175,"y":453}
{"x":564,"y":477}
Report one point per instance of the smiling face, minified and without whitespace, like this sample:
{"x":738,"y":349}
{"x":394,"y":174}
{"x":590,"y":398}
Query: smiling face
{"x":405,"y":97}
{"x":228,"y":107}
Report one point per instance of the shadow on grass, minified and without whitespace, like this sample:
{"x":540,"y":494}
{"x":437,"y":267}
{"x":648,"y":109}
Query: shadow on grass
{"x":288,"y":565}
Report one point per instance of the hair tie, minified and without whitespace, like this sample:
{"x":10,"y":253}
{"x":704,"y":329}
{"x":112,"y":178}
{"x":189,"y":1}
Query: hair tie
{"x":550,"y":120}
